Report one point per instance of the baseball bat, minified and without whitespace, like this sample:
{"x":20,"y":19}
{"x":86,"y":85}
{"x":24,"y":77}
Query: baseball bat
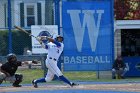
{"x":20,"y":29}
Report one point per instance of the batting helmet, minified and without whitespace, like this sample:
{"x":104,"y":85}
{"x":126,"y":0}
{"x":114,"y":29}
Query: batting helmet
{"x":10,"y":56}
{"x":59,"y":36}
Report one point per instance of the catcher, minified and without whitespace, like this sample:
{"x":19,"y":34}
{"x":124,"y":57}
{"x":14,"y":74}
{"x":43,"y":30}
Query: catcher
{"x":7,"y":70}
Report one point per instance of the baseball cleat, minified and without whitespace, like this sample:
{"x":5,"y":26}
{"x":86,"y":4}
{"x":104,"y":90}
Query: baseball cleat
{"x":34,"y":84}
{"x":73,"y":84}
{"x":16,"y":85}
{"x":1,"y":81}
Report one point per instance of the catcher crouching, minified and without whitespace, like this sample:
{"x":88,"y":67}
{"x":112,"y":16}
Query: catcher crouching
{"x":7,"y":71}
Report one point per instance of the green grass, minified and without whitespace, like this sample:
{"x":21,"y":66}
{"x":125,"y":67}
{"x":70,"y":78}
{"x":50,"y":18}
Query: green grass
{"x":30,"y":74}
{"x":81,"y":76}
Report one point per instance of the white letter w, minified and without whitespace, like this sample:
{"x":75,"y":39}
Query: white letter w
{"x":89,"y":21}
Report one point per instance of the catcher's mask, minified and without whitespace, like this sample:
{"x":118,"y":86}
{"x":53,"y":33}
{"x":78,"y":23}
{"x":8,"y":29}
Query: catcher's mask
{"x":11,"y":57}
{"x":59,"y":38}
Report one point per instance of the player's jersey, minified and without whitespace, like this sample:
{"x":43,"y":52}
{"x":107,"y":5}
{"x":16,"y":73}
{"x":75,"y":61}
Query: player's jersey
{"x":54,"y":51}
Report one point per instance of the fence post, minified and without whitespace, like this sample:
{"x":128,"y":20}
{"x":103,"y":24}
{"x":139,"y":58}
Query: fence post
{"x":57,"y":19}
{"x":9,"y":26}
{"x":57,"y":22}
{"x":57,"y":14}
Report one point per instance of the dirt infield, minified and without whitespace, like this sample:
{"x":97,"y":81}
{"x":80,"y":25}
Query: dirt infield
{"x":126,"y":87}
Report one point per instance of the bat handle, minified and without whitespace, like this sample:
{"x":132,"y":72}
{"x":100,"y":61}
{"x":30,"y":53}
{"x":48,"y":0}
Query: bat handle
{"x":32,"y":35}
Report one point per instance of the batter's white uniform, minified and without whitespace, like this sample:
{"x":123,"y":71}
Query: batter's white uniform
{"x":54,"y":53}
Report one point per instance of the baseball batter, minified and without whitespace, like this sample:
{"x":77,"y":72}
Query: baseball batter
{"x":55,"y":48}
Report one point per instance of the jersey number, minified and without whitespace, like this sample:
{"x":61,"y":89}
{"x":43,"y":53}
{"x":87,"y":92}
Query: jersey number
{"x":57,"y":51}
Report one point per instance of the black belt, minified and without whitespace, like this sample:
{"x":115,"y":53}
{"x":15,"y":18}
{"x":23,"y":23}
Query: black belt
{"x":52,"y":58}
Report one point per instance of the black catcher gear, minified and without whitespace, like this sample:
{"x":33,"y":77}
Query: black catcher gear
{"x":1,"y":81}
{"x":11,"y":56}
{"x":19,"y":78}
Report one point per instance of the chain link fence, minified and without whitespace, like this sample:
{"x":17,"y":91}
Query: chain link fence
{"x":24,"y":14}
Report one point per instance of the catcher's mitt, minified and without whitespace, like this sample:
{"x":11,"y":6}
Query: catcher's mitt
{"x":35,"y":62}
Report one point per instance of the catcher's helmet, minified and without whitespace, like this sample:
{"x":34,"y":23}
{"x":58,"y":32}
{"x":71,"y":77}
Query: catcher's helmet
{"x":10,"y":56}
{"x":59,"y":37}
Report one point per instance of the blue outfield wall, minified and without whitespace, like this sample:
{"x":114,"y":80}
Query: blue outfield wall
{"x":88,"y":35}
{"x":133,"y":65}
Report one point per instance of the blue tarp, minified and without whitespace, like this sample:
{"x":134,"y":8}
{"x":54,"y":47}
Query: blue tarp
{"x":88,"y":35}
